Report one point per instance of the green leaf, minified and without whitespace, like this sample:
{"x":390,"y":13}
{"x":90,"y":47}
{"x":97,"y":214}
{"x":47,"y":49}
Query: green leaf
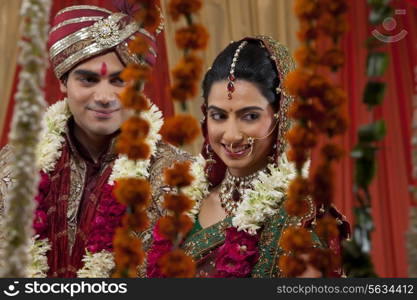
{"x":356,"y":152}
{"x":377,"y":63}
{"x":380,"y":129}
{"x":365,"y":169}
{"x":372,"y":132}
{"x":374,"y":93}
{"x":378,"y":3}
{"x":378,"y":14}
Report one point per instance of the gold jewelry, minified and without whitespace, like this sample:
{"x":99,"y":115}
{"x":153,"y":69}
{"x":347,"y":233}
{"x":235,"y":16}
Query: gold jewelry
{"x":232,"y":190}
{"x":231,"y":77}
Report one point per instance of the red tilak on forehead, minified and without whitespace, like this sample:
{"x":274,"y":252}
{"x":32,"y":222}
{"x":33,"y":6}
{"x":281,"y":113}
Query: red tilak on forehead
{"x":103,"y":71}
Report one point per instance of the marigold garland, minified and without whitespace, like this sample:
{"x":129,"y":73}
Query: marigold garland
{"x":179,"y":130}
{"x":317,"y":109}
{"x":192,"y":37}
{"x":177,"y":8}
{"x":177,"y":224}
{"x":132,"y":192}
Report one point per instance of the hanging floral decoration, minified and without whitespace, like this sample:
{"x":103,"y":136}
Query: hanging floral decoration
{"x":182,"y":129}
{"x":24,"y":136}
{"x":134,"y":192}
{"x":317,"y":109}
{"x":165,"y":258}
{"x":190,"y":38}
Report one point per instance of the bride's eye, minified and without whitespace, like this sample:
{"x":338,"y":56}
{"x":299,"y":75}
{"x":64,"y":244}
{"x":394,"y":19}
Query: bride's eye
{"x":251,"y":117}
{"x":217,"y":116}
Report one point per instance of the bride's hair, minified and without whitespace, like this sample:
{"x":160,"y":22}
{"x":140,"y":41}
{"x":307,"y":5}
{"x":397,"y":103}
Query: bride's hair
{"x":253,"y":65}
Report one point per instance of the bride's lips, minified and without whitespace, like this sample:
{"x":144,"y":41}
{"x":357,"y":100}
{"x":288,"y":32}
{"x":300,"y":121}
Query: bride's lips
{"x":237,"y":152}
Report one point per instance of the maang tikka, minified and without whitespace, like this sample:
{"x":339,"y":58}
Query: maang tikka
{"x":231,"y":77}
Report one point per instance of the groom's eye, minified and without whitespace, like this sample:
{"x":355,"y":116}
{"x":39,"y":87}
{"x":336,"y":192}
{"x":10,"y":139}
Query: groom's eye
{"x":217,"y":116}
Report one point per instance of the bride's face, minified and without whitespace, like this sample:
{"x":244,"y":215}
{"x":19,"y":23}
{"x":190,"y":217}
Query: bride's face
{"x":231,"y":122}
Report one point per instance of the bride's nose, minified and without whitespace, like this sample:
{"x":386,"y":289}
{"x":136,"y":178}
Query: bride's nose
{"x":232,"y":133}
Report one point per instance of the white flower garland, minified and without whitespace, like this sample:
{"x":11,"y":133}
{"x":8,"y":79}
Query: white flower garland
{"x":258,"y":203}
{"x":39,"y":262}
{"x":97,"y":265}
{"x":24,"y":135}
{"x":198,"y":189}
{"x":48,"y":152}
{"x":267,"y":193}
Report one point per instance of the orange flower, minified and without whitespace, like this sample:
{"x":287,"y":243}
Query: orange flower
{"x":307,"y":31}
{"x":133,"y":191}
{"x":296,"y":82}
{"x":306,"y":57}
{"x":333,"y":26}
{"x":176,"y":8}
{"x":333,"y":58}
{"x":324,"y":260}
{"x":297,"y":208}
{"x":320,"y":259}
{"x":327,"y":228}
{"x":291,"y":266}
{"x":134,"y":149}
{"x":333,"y":124}
{"x":135,"y":128}
{"x":298,"y":189}
{"x":295,"y":239}
{"x":300,"y":136}
{"x":179,"y":130}
{"x":316,"y":86}
{"x":298,"y":156}
{"x":178,"y":203}
{"x":152,"y":19}
{"x":176,"y":264}
{"x":307,"y":9}
{"x":139,"y":45}
{"x":332,"y":152}
{"x":335,"y":7}
{"x":148,"y":14}
{"x":192,"y":37}
{"x":333,"y":97}
{"x":127,"y":249}
{"x":136,"y":72}
{"x":190,"y":67}
{"x":178,"y":175}
{"x":170,"y":226}
{"x":131,"y":98}
{"x":323,"y":189}
{"x":184,"y":90}
{"x":305,"y":111}
{"x":138,"y":221}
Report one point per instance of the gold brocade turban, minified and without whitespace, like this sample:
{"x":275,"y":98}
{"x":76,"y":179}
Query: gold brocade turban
{"x":83,"y":31}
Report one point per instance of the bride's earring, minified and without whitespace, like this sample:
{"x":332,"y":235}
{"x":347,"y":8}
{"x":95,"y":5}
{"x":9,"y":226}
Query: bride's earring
{"x":210,"y":154}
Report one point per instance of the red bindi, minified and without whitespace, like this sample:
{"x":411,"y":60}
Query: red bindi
{"x":103,"y":70}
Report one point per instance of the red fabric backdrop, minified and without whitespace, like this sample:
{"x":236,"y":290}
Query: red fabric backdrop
{"x":157,"y":88}
{"x":391,"y":198}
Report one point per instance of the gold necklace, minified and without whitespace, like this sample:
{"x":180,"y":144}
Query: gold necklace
{"x":232,"y":190}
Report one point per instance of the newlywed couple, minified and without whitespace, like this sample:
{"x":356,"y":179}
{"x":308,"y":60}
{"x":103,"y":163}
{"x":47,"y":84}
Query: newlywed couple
{"x":244,"y":175}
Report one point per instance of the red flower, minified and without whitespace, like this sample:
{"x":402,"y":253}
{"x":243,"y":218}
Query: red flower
{"x":40,"y":223}
{"x":237,"y":256}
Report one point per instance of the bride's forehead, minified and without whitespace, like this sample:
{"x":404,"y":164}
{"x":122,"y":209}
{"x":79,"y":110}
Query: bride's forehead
{"x":245,"y":94}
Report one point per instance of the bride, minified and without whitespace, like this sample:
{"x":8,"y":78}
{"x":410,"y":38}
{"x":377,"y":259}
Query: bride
{"x":238,"y":225}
